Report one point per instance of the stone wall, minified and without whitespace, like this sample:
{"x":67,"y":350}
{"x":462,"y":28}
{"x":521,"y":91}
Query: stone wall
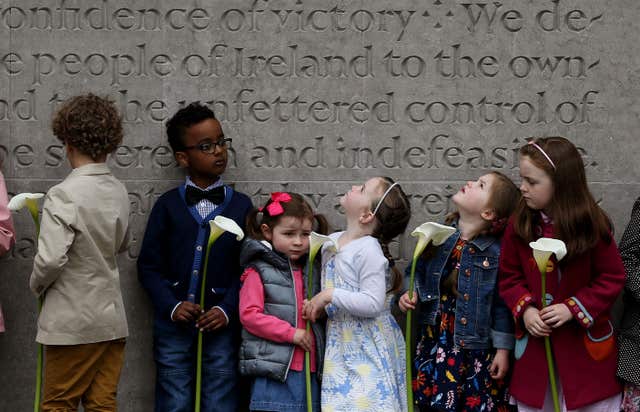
{"x":316,"y":95}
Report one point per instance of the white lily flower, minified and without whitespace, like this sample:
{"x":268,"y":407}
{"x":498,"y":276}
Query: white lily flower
{"x":221,"y":224}
{"x":316,"y":240}
{"x":426,"y":232}
{"x":24,"y":199}
{"x":430,"y":232}
{"x":218,"y":225}
{"x":28,"y":200}
{"x":544,"y":247}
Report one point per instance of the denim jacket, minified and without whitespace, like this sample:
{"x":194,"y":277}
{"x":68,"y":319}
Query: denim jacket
{"x":482,"y":318}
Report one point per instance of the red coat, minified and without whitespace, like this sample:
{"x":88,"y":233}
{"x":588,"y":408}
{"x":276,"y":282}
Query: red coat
{"x":584,"y":349}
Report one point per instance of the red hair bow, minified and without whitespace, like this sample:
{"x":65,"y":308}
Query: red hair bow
{"x":275,"y":207}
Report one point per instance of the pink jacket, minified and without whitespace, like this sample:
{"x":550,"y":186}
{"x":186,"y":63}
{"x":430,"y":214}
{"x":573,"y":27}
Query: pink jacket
{"x":7,"y":233}
{"x":584,"y":348}
{"x":267,"y":326}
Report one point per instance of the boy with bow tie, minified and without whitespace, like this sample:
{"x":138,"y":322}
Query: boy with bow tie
{"x":171,"y":262}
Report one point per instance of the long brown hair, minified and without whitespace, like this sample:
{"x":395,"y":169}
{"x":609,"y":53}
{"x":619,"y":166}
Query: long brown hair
{"x":502,"y":200}
{"x":577,"y":219}
{"x":392,"y":217}
{"x":296,"y":207}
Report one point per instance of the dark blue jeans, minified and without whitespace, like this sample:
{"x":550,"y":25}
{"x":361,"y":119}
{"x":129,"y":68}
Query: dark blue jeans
{"x":290,"y":396}
{"x":175,"y":348}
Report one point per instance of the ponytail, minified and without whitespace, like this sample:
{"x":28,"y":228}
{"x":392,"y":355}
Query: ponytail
{"x":253,"y":222}
{"x":321,"y":224}
{"x":396,"y":275}
{"x":393,"y":212}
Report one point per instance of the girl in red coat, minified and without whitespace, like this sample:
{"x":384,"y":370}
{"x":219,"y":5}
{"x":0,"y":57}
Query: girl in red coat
{"x":581,"y":288}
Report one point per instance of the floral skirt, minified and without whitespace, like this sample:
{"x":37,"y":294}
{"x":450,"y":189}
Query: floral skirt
{"x":631,"y":398}
{"x":453,"y":379}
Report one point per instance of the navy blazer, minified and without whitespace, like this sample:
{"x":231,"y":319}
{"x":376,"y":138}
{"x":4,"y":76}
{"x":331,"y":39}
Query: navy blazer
{"x":173,"y":251}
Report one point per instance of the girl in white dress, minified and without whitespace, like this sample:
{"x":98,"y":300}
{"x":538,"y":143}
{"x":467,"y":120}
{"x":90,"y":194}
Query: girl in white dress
{"x":364,"y":366}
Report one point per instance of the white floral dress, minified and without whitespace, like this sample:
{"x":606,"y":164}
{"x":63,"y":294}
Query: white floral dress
{"x":364,"y":367}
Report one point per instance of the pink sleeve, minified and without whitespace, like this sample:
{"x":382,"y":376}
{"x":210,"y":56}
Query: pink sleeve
{"x":252,"y":315}
{"x":7,"y":233}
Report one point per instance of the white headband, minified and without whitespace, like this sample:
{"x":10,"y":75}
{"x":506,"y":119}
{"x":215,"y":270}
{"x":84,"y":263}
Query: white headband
{"x":383,"y":196}
{"x":534,"y":144}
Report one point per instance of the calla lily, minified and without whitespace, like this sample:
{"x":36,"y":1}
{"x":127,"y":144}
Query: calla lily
{"x":218,"y":226}
{"x":316,"y":240}
{"x":24,"y":199}
{"x":543,"y":248}
{"x":430,"y":231}
{"x":30,"y":201}
{"x":221,"y":224}
{"x":426,"y":233}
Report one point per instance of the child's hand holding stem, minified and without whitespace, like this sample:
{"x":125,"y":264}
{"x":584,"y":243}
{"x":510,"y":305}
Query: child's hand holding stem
{"x":303,"y":339}
{"x":314,"y":308}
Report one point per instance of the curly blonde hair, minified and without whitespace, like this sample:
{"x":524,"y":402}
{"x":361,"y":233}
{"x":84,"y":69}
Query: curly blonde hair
{"x":89,"y":123}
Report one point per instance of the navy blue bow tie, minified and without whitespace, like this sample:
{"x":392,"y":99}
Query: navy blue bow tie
{"x":194,"y":195}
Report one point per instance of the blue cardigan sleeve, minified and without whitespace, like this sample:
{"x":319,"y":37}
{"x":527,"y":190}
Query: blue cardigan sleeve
{"x":152,"y":262}
{"x":231,"y":300}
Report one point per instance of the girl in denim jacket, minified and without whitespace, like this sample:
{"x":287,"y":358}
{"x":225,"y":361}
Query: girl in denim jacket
{"x":466,"y":330}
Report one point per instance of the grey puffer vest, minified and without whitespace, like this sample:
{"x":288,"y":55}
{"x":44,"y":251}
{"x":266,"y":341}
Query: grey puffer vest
{"x":261,"y":357}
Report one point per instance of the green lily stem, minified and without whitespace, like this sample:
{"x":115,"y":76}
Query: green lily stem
{"x":199,"y":350}
{"x":547,"y":348}
{"x":307,"y":355}
{"x":36,"y":401}
{"x":40,"y":358}
{"x":407,"y":339}
{"x":199,"y":373}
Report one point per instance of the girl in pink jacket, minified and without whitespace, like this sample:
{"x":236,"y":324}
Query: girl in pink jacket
{"x":7,"y":233}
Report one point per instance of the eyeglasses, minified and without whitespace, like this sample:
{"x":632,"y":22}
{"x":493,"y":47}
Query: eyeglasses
{"x":210,"y":147}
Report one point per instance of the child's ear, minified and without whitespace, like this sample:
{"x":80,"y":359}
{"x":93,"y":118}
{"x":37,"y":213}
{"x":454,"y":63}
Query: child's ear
{"x":182,"y":159}
{"x":266,"y":232}
{"x":367,"y":217}
{"x":488,"y":215}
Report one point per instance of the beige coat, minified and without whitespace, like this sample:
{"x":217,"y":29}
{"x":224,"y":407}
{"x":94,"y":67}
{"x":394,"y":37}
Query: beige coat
{"x":84,"y":226}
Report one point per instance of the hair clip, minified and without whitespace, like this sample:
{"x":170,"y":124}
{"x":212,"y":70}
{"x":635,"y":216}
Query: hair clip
{"x":274,"y":208}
